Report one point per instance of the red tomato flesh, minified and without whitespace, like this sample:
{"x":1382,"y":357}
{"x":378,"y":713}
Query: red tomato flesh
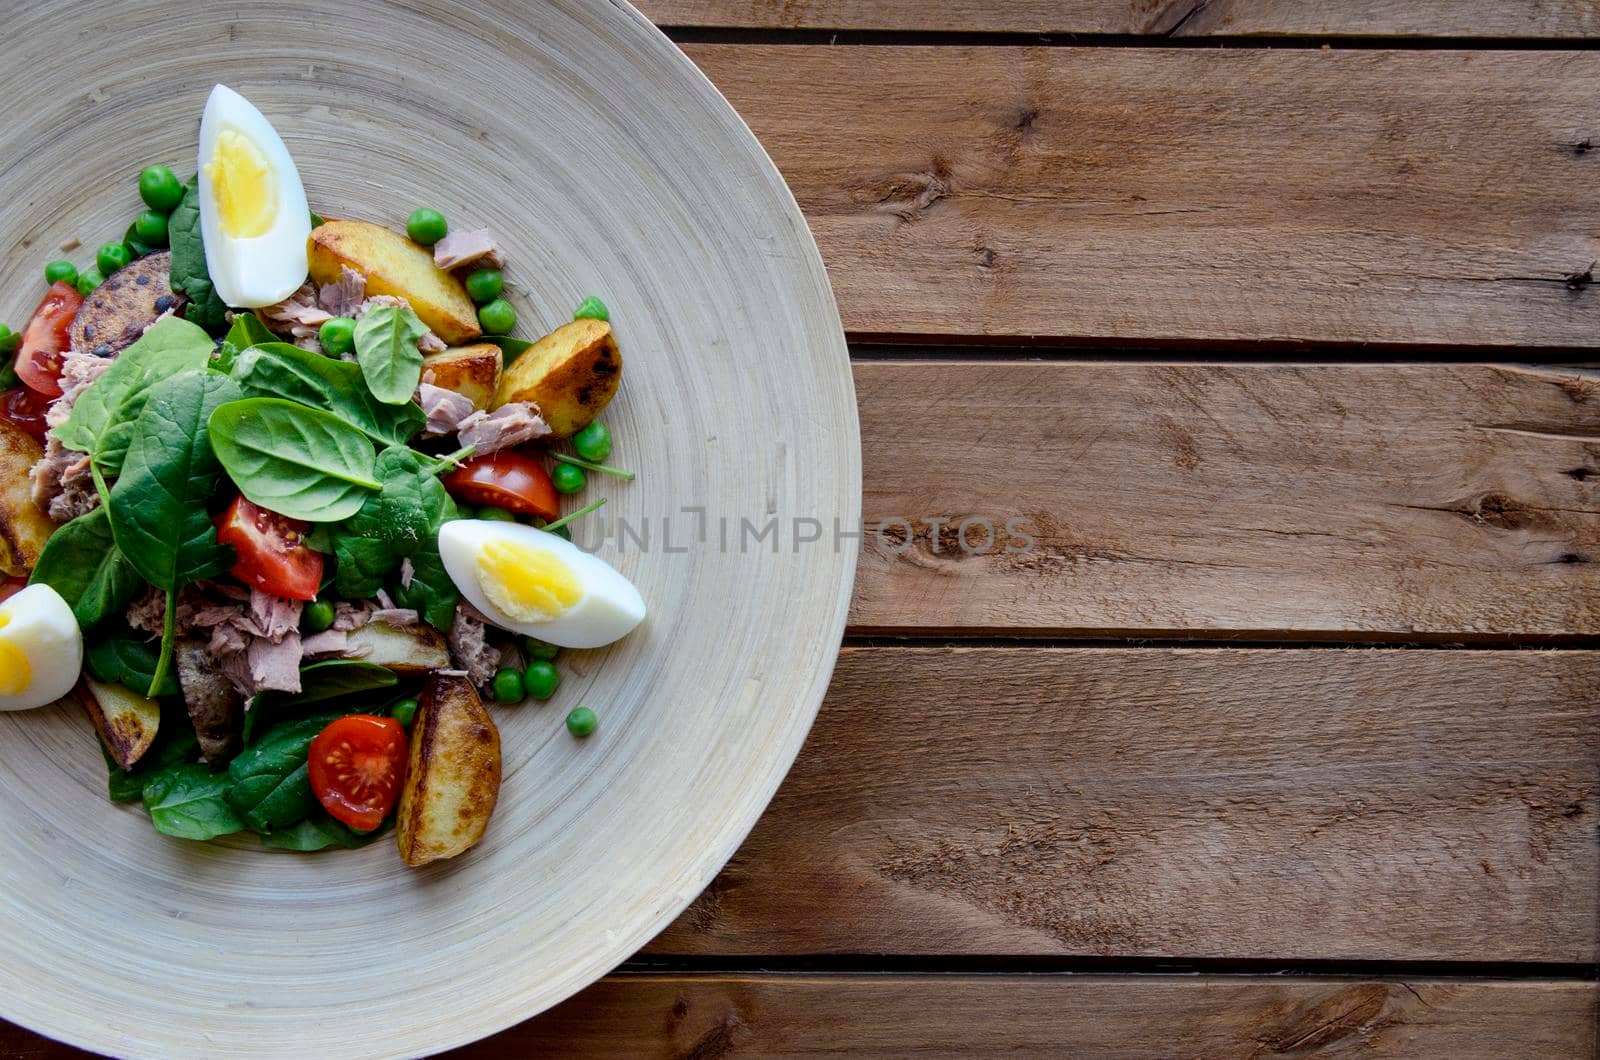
{"x":24,"y":409}
{"x":272,"y":554}
{"x":10,"y":587}
{"x":46,"y":339}
{"x":509,"y":479}
{"x":357,"y":765}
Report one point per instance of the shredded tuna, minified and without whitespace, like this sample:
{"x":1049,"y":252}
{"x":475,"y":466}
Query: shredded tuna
{"x":398,"y":617}
{"x":407,"y":572}
{"x":506,"y":426}
{"x":226,"y":590}
{"x":451,"y":673}
{"x":274,"y":616}
{"x":328,"y":642}
{"x":381,"y":300}
{"x":465,"y":248}
{"x":147,"y":612}
{"x":297,"y":316}
{"x":62,"y":484}
{"x":431,"y":343}
{"x":344,"y":296}
{"x":228,"y":638}
{"x":78,"y":371}
{"x":468,"y":648}
{"x":445,"y":409}
{"x":275,"y":664}
{"x":350,"y":617}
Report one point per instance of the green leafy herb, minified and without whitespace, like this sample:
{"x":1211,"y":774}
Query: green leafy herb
{"x":432,"y":594}
{"x":401,"y":520}
{"x":81,"y":561}
{"x":112,"y":402}
{"x":510,"y":348}
{"x":268,"y":784}
{"x":246,"y":331}
{"x":125,"y":659}
{"x":319,"y":832}
{"x":346,"y":680}
{"x":175,"y":742}
{"x":158,"y":508}
{"x":317,"y":220}
{"x":386,"y":349}
{"x":189,"y":273}
{"x":188,"y":801}
{"x":300,"y":462}
{"x":570,"y":516}
{"x":277,"y":369}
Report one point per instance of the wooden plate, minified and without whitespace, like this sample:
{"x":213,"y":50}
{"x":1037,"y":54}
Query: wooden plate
{"x":606,"y":164}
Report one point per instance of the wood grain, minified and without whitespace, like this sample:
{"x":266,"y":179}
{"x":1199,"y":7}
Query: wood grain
{"x":1152,"y":196}
{"x":1542,"y":19}
{"x":1155,"y":1016}
{"x":1368,"y":501}
{"x":1224,"y":803}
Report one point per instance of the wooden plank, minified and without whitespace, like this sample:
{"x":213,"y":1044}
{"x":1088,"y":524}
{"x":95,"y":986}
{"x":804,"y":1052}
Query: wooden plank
{"x":1147,"y":195}
{"x":1424,"y":502}
{"x":715,"y":1016}
{"x":1223,"y":803}
{"x":1544,"y":19}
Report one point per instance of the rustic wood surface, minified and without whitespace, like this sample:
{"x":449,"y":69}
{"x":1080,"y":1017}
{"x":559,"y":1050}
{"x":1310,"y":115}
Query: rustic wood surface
{"x":1411,"y":832}
{"x":1137,"y":195}
{"x":1546,"y":19}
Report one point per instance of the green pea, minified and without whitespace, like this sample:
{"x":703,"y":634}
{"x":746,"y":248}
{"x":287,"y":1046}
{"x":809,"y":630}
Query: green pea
{"x":593,"y":442}
{"x":426,"y":226}
{"x":61,"y":272}
{"x":9,"y":340}
{"x":534,"y":648}
{"x":591,"y":308}
{"x":88,"y":280}
{"x":160,"y":189}
{"x":498,"y":317}
{"x":151,"y":228}
{"x":568,"y":478}
{"x":111,"y":257}
{"x":541,"y":679}
{"x":485,"y":285}
{"x":581,"y":721}
{"x":405,"y":712}
{"x":507,"y":686}
{"x":316,"y":616}
{"x":497,"y":515}
{"x":338,"y":336}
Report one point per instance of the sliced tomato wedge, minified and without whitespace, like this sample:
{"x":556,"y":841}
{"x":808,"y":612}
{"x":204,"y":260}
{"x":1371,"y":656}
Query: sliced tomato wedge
{"x":509,"y":479}
{"x":10,"y":587}
{"x":272,"y":554}
{"x":46,"y":339}
{"x":24,"y":408}
{"x":356,"y":767}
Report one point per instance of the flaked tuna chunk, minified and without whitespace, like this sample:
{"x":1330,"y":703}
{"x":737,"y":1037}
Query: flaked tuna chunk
{"x":62,"y":483}
{"x":506,"y":426}
{"x":275,"y":664}
{"x":344,"y":296}
{"x":445,"y":409}
{"x":328,"y":642}
{"x":468,"y":647}
{"x":473,"y":247}
{"x":274,"y":616}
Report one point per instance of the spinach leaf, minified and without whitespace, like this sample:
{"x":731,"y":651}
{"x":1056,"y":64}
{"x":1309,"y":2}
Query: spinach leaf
{"x":319,"y":832}
{"x":246,"y":331}
{"x":158,"y":508}
{"x":510,"y":348}
{"x":298,"y":461}
{"x":187,"y":801}
{"x":8,"y":374}
{"x":342,"y":679}
{"x":277,"y":369}
{"x":169,"y":347}
{"x":81,"y":561}
{"x":189,"y":273}
{"x":386,"y":349}
{"x":268,"y":783}
{"x":401,"y":520}
{"x":126,"y":659}
{"x":432,"y":594}
{"x":175,"y":742}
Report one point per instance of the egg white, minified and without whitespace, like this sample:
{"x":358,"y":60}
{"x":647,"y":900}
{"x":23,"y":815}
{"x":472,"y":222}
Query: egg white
{"x":259,"y":270}
{"x":608,"y":610}
{"x":42,"y":626}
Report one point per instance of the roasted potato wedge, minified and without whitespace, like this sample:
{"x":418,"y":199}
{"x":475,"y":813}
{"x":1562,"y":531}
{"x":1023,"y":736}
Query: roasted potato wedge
{"x":396,"y":266}
{"x":471,"y":371}
{"x":116,"y":313}
{"x":405,"y":651}
{"x":23,"y":527}
{"x":126,"y":721}
{"x":570,"y":374}
{"x":453,"y":777}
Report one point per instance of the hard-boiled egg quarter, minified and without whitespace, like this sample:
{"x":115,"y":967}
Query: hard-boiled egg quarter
{"x":537,"y":584}
{"x":41,"y":649}
{"x":253,"y":213}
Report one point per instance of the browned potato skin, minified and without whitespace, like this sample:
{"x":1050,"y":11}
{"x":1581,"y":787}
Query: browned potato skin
{"x":394,"y":265}
{"x":453,"y":775}
{"x":23,"y":527}
{"x":471,"y":371}
{"x":126,"y":721}
{"x":571,"y":375}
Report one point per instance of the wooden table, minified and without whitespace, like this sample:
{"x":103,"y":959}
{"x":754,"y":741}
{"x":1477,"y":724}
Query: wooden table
{"x":1270,"y":319}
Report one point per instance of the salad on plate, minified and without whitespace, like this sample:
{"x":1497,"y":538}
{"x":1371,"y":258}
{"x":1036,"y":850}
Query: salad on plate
{"x":281,"y":507}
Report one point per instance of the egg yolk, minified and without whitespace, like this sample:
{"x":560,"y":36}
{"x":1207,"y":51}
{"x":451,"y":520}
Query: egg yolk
{"x":241,"y":181}
{"x":528,"y":584}
{"x":14,"y":673}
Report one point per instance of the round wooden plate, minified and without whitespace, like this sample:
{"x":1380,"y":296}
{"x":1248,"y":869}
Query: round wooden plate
{"x":607,"y":165}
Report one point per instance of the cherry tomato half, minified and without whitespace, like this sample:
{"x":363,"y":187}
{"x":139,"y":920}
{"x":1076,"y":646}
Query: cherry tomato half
{"x":24,"y":408}
{"x":10,"y":587}
{"x":46,"y":339}
{"x":272,"y":554}
{"x":508,"y":479}
{"x":356,"y":766}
